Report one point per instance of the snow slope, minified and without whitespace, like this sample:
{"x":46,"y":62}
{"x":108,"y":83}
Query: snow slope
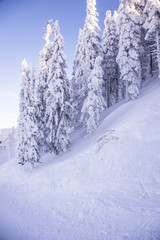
{"x":106,"y":188}
{"x":3,"y":157}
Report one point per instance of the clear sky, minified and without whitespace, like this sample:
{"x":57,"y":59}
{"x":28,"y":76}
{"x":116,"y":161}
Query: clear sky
{"x":21,"y":25}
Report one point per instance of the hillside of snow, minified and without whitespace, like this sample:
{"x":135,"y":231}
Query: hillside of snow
{"x":107,"y":187}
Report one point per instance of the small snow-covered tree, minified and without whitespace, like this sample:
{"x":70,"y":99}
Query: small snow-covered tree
{"x":110,"y":66}
{"x":94,"y":103}
{"x":28,"y":147}
{"x":21,"y":132}
{"x":57,"y":97}
{"x":152,"y":26}
{"x":33,"y":134}
{"x":128,"y":57}
{"x":90,"y":49}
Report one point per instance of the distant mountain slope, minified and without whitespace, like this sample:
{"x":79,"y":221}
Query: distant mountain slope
{"x":106,"y":188}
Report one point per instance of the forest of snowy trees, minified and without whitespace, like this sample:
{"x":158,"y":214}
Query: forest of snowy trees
{"x":105,"y":71}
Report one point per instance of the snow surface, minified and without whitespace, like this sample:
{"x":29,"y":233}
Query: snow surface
{"x":106,"y":188}
{"x":3,"y":157}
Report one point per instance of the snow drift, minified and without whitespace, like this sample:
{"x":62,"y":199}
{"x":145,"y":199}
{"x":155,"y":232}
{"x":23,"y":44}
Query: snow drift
{"x":106,"y":187}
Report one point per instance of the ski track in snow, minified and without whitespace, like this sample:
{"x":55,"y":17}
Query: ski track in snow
{"x":106,"y":188}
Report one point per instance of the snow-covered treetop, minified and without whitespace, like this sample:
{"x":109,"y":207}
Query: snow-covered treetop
{"x":58,"y":44}
{"x":57,"y":61}
{"x":109,"y":22}
{"x":48,"y":31}
{"x":56,"y":33}
{"x":131,"y":2}
{"x":24,"y":65}
{"x":78,"y":52}
{"x":80,"y":40}
{"x":127,"y":9}
{"x":46,"y":52}
{"x":115,"y":15}
{"x":24,"y":72}
{"x":91,"y":22}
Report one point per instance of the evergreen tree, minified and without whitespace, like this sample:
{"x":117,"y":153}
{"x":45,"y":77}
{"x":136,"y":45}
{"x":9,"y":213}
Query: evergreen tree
{"x":42,"y":81}
{"x":77,"y":60}
{"x":32,"y":76}
{"x":110,"y":51}
{"x":77,"y":76}
{"x":33,"y":135}
{"x":21,"y":129}
{"x":94,"y":103}
{"x":152,"y":26}
{"x":58,"y":96}
{"x":90,"y":49}
{"x":129,"y":48}
{"x":28,"y":147}
{"x":144,"y":50}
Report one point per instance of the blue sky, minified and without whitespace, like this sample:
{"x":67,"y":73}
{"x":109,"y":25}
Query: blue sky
{"x":21,"y":24}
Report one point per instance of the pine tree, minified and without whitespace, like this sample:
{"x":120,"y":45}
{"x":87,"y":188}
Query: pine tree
{"x":110,"y":66}
{"x":58,"y":96}
{"x":77,"y":76}
{"x":128,"y":57}
{"x":28,"y":147}
{"x":77,"y":60}
{"x":32,"y":76}
{"x":143,"y":45}
{"x":94,"y":103}
{"x":42,"y":81}
{"x":152,"y":26}
{"x":21,"y":129}
{"x":92,"y":46}
{"x":33,"y":135}
{"x":90,"y":49}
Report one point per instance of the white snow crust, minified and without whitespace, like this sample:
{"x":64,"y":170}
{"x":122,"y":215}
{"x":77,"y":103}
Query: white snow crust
{"x":107,"y":187}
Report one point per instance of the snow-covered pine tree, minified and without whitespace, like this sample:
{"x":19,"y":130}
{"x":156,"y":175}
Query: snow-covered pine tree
{"x":152,"y":26}
{"x":128,"y":57}
{"x":32,"y":76}
{"x":90,"y":49}
{"x":57,"y":97}
{"x":110,"y":52}
{"x":33,"y":134}
{"x":94,"y":103}
{"x":148,"y":54}
{"x":77,"y":76}
{"x":77,"y":59}
{"x":91,"y":36}
{"x":28,"y":147}
{"x":42,"y":81}
{"x":21,"y":129}
{"x":144,"y":49}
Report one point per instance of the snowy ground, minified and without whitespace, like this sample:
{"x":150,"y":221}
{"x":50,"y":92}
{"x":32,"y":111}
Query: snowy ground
{"x":3,"y":157}
{"x":106,"y":188}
